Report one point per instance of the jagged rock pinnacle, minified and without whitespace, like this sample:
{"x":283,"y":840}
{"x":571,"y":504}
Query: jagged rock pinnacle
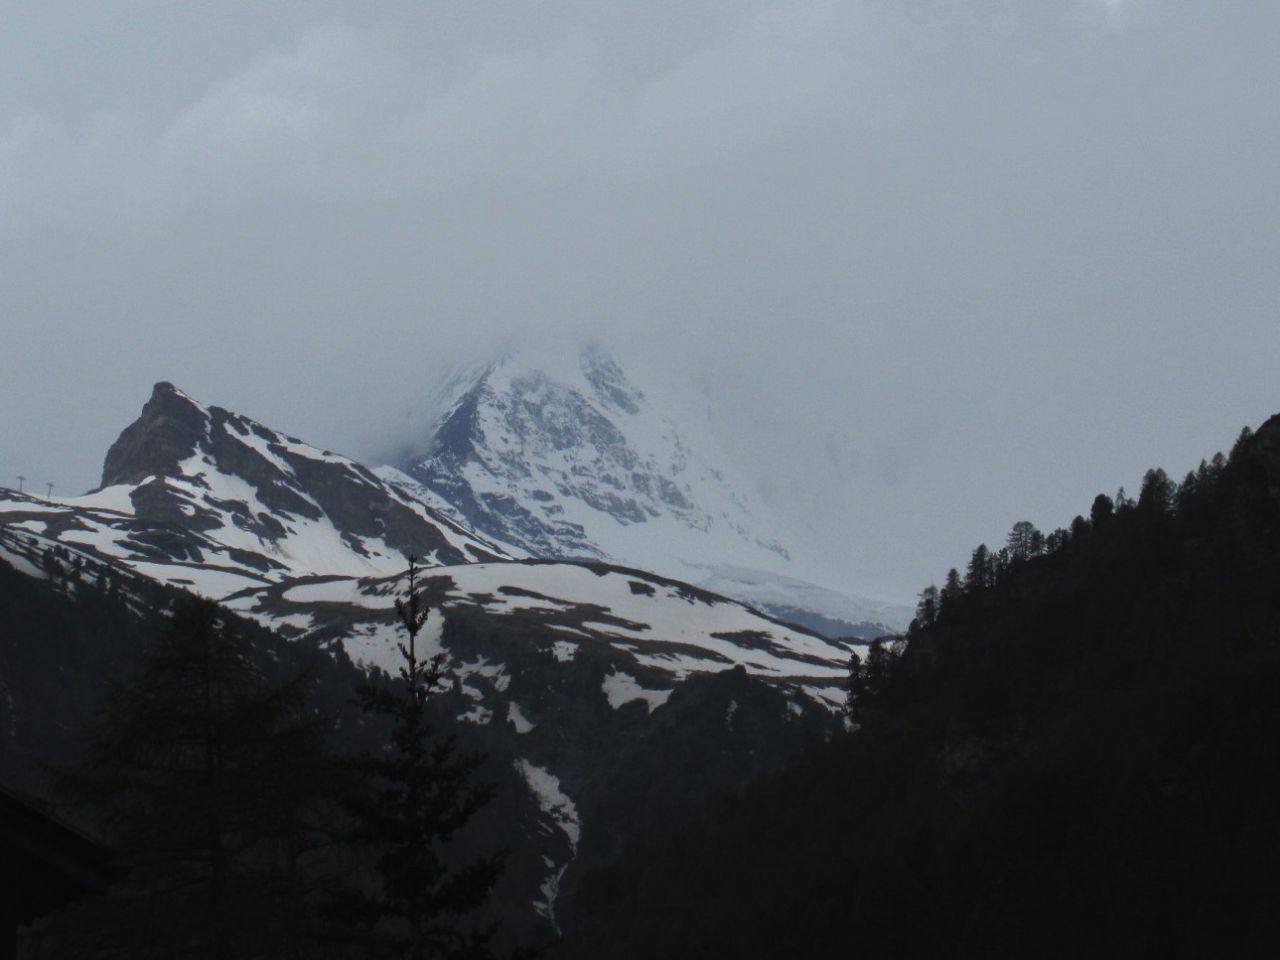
{"x":165,"y":433}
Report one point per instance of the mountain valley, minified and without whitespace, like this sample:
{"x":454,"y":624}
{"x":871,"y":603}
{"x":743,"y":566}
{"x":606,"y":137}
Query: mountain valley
{"x":573,"y":676}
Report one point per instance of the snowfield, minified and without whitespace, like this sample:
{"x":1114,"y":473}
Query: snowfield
{"x":665,"y":628}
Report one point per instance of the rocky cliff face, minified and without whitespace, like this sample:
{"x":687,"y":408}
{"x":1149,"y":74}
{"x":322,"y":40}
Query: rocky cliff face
{"x":167,"y":432}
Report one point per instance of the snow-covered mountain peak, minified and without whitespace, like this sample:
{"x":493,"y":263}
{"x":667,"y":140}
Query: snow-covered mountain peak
{"x":590,"y":372}
{"x":562,"y":454}
{"x":199,"y":496}
{"x":572,"y":459}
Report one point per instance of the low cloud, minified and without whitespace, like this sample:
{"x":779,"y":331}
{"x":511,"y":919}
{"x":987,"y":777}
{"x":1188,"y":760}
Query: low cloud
{"x":937,"y":266}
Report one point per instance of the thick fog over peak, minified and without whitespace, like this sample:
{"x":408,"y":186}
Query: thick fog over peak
{"x":933,"y":267}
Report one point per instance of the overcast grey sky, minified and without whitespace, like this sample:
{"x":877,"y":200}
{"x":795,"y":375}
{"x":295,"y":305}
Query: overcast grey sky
{"x":941,"y":264}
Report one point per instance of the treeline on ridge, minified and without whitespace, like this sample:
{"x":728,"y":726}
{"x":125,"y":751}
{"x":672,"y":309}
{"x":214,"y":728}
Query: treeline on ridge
{"x":1070,"y":753}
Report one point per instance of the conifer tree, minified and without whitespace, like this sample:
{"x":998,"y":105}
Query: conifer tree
{"x":981,"y":570}
{"x":951,"y":591}
{"x":1102,"y":511}
{"x":1024,"y":541}
{"x":927,"y":607}
{"x":1123,"y":501}
{"x":855,"y":688}
{"x":422,"y":794}
{"x":1157,"y":494}
{"x":1241,"y":446}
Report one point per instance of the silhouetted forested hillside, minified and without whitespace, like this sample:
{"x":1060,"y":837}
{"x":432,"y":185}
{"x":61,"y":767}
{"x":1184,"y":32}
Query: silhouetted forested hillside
{"x":224,"y":767}
{"x":1072,"y":753}
{"x":57,"y":651}
{"x":63,"y":639}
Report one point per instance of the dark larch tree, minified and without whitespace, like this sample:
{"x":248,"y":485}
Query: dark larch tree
{"x":1024,"y":541}
{"x":927,"y":607}
{"x":200,"y":772}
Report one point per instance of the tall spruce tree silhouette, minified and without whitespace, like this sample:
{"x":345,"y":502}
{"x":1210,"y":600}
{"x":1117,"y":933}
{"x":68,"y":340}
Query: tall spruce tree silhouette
{"x":420,"y":794}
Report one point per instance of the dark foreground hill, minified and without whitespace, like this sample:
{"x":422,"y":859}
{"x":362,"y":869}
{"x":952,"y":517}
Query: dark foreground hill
{"x":1074,"y":754}
{"x":69,"y":626}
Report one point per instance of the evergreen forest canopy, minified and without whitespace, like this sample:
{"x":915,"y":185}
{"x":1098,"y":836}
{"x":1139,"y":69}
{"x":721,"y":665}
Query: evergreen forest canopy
{"x":1072,"y":752}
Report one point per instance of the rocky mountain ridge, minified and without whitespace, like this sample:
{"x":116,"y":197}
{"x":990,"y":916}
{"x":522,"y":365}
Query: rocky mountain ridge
{"x":298,"y":538}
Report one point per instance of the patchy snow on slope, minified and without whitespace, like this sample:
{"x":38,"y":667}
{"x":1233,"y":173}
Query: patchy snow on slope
{"x":307,"y":546}
{"x":554,"y":802}
{"x":18,"y":560}
{"x":667,"y":630}
{"x":245,"y":503}
{"x":517,"y":718}
{"x":337,"y":590}
{"x":663,"y":614}
{"x":478,"y":713}
{"x":206,"y":581}
{"x":114,"y":498}
{"x":557,"y":806}
{"x":438,"y":510}
{"x":623,"y":688}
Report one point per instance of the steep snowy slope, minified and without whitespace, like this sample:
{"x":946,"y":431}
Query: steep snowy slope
{"x":563,"y":456}
{"x":571,"y":460}
{"x":201,"y":497}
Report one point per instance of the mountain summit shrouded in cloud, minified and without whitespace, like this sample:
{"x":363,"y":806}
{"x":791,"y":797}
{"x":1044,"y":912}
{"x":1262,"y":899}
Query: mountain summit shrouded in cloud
{"x":563,"y":454}
{"x":567,"y":456}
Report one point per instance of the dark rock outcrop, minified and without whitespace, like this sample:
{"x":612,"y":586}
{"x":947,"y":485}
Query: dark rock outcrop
{"x":167,"y":432}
